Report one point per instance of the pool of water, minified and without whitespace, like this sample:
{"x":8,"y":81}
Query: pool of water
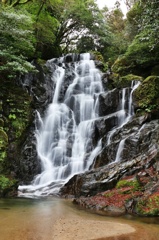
{"x":35,"y":219}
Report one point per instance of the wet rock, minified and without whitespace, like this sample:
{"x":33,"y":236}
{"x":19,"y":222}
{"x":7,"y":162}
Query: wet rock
{"x":106,"y":177}
{"x":108,"y":102}
{"x":115,"y":211}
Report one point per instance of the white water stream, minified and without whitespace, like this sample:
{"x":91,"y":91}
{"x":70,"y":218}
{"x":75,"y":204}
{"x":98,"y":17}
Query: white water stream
{"x":64,"y":141}
{"x":124,"y":117}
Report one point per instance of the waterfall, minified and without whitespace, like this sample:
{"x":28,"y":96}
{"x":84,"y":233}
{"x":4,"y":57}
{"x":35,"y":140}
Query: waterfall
{"x":65,"y":144}
{"x":64,"y":138}
{"x":124,"y":115}
{"x":120,"y":150}
{"x":134,"y":85}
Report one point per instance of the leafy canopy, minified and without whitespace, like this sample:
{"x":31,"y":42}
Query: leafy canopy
{"x":16,"y":42}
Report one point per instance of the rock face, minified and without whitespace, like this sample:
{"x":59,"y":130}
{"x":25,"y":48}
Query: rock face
{"x":129,"y":148}
{"x":142,"y":155}
{"x":109,"y":102}
{"x":97,"y":189}
{"x":40,"y":86}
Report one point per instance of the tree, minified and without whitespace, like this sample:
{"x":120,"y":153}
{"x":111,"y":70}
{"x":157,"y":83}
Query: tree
{"x":116,"y":23}
{"x":130,"y":3}
{"x":59,"y":24}
{"x":142,"y":54}
{"x":85,"y":44}
{"x":16,"y":42}
{"x":80,"y":19}
{"x":144,"y":50}
{"x":14,"y":3}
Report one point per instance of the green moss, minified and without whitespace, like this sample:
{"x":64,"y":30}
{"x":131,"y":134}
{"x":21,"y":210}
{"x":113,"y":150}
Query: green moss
{"x":122,"y":66}
{"x":19,"y":125}
{"x":129,"y":183}
{"x":108,"y":194}
{"x":146,"y":95}
{"x":98,"y":56}
{"x":3,"y":138}
{"x":41,"y":62}
{"x":1,"y":122}
{"x":126,"y":80}
{"x":148,"y":206}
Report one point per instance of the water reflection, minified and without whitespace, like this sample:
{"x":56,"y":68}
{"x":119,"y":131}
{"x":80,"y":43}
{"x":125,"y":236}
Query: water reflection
{"x":57,"y":219}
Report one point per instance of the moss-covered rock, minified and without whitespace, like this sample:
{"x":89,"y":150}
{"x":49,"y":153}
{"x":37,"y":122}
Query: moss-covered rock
{"x":122,"y":66}
{"x":125,"y":81}
{"x":148,"y":206}
{"x":146,"y":96}
{"x":16,"y":115}
{"x":132,"y":183}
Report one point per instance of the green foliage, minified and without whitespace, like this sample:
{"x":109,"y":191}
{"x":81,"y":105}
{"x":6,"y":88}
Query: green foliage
{"x":143,"y":51}
{"x":4,"y":182}
{"x":98,"y":56}
{"x":118,"y":41}
{"x":16,"y":42}
{"x":3,"y":137}
{"x":45,"y":26}
{"x":122,"y":66}
{"x":146,"y":94}
{"x":3,"y":147}
{"x":19,"y":125}
{"x":12,"y":116}
{"x":142,"y":28}
{"x":134,"y":20}
{"x":6,"y":185}
{"x":85,"y":44}
{"x":58,"y":25}
{"x":83,"y":21}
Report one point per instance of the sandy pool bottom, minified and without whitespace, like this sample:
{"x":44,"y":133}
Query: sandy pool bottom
{"x":55,"y":219}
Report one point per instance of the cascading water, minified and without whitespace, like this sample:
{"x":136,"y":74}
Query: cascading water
{"x":124,"y":118}
{"x":64,"y":140}
{"x":64,"y":136}
{"x":124,"y":115}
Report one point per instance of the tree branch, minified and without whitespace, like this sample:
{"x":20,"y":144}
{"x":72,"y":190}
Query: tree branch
{"x":18,"y":2}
